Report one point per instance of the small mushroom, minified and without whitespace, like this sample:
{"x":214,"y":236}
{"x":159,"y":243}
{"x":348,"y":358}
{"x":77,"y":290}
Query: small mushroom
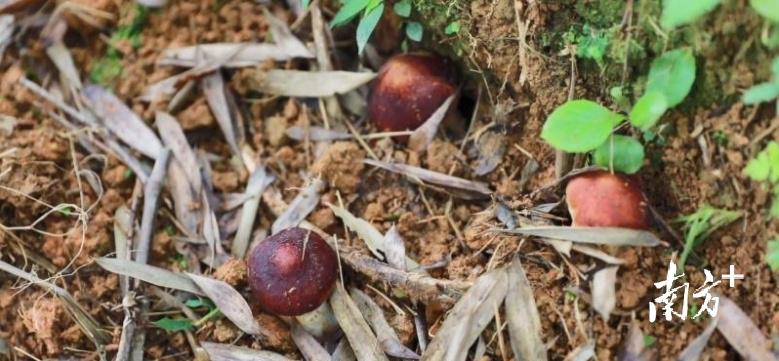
{"x":603,"y":199}
{"x":292,"y":272}
{"x":408,"y":90}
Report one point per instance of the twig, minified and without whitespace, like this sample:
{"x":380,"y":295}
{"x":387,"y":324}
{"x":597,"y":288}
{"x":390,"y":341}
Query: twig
{"x":563,"y":161}
{"x":151,"y":200}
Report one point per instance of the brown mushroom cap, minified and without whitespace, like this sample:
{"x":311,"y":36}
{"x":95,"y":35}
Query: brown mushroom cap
{"x":408,"y":89}
{"x":284,"y":280}
{"x":603,"y":199}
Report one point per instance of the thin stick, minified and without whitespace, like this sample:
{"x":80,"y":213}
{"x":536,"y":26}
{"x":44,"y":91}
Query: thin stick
{"x":151,"y":200}
{"x":563,"y":161}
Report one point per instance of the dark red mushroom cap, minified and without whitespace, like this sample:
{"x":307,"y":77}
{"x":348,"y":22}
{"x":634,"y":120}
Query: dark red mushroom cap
{"x":603,"y":199}
{"x":286,"y":282}
{"x":408,"y":89}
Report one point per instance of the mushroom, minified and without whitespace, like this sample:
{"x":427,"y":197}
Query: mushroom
{"x":408,"y":90}
{"x":292,"y":272}
{"x":600,"y":198}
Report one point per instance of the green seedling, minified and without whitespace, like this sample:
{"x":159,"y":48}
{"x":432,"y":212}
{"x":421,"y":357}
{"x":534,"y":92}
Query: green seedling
{"x":106,"y":70}
{"x":369,"y":12}
{"x":681,"y":12}
{"x":185,"y":324}
{"x":583,"y":126}
{"x":765,"y":168}
{"x":772,"y":254}
{"x":700,"y":225}
{"x":766,"y":91}
{"x":768,"y":9}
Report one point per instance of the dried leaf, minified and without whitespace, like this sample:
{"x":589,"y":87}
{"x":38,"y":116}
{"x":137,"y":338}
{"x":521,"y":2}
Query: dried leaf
{"x":604,"y":293}
{"x":366,"y":231}
{"x":214,"y":89}
{"x":174,"y":138}
{"x":63,"y":60}
{"x":468,"y":318}
{"x":395,"y":248}
{"x":596,"y":253}
{"x":361,"y":338}
{"x":296,"y":83}
{"x":12,"y":6}
{"x":593,"y":235}
{"x":258,"y":181}
{"x":693,"y":351}
{"x":153,"y":3}
{"x":524,"y":322}
{"x":505,"y":215}
{"x":343,"y":352}
{"x":491,"y":147}
{"x":741,"y":333}
{"x":229,"y":302}
{"x":386,"y":335}
{"x":432,"y":177}
{"x":169,"y":86}
{"x":224,"y":352}
{"x":582,"y":353}
{"x":316,"y":134}
{"x":308,"y":345}
{"x":183,"y":198}
{"x":632,"y":348}
{"x":150,"y":274}
{"x":7,"y":27}
{"x":300,"y":207}
{"x":421,"y":138}
{"x":122,"y":121}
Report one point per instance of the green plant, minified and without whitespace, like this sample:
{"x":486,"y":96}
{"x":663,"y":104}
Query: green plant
{"x":590,"y":43}
{"x":106,"y":70}
{"x":370,"y":12}
{"x":772,"y":254}
{"x":765,"y":168}
{"x":582,"y":126}
{"x":769,"y":9}
{"x":699,"y":225}
{"x":767,"y":91}
{"x":185,"y":324}
{"x":681,"y":12}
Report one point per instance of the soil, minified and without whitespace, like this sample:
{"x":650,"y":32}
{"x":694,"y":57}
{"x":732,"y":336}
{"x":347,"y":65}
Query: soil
{"x":705,"y":146}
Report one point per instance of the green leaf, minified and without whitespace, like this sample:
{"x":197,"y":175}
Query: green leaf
{"x":672,"y":74}
{"x":774,"y":212}
{"x":649,"y":340}
{"x":174,"y":324}
{"x":579,"y":126}
{"x":452,"y":28}
{"x":648,"y":110}
{"x":402,"y":8}
{"x":623,"y":153}
{"x":200,"y":302}
{"x":772,"y":254}
{"x":348,"y":11}
{"x":305,"y":3}
{"x":769,"y":9}
{"x":759,"y":93}
{"x":775,"y":67}
{"x":765,"y":166}
{"x":681,"y":12}
{"x":414,"y":31}
{"x":366,"y":26}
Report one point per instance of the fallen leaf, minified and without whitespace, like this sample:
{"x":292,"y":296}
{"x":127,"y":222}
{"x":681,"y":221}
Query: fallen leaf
{"x":432,"y":177}
{"x":524,"y":322}
{"x":229,"y":302}
{"x":604,"y":293}
{"x":224,"y":352}
{"x":150,"y":274}
{"x":693,"y":351}
{"x":300,"y":207}
{"x":593,"y":235}
{"x":296,"y":83}
{"x":421,"y":138}
{"x":386,"y":335}
{"x":741,"y":333}
{"x":361,"y":338}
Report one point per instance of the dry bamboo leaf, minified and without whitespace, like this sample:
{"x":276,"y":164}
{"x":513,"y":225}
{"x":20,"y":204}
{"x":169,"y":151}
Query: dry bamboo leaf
{"x":741,"y":333}
{"x":468,"y":318}
{"x":563,"y":247}
{"x":421,"y":138}
{"x":224,"y":352}
{"x":632,"y":348}
{"x":258,"y":181}
{"x":296,"y":83}
{"x":7,"y":27}
{"x":364,"y":229}
{"x":173,"y":137}
{"x":593,"y":235}
{"x":183,"y":197}
{"x":395,"y":248}
{"x":316,"y":134}
{"x":229,"y":302}
{"x":153,"y":3}
{"x":505,"y":215}
{"x":432,"y":177}
{"x":122,"y":121}
{"x":63,"y":60}
{"x":596,"y":253}
{"x":150,"y":274}
{"x":286,"y":46}
{"x":169,"y":86}
{"x":343,"y":352}
{"x":308,"y":346}
{"x":582,"y":353}
{"x":522,"y":316}
{"x":491,"y":146}
{"x":361,"y":338}
{"x":693,"y":351}
{"x":387,"y":337}
{"x":300,"y":207}
{"x":123,"y":223}
{"x":214,"y":89}
{"x":604,"y":292}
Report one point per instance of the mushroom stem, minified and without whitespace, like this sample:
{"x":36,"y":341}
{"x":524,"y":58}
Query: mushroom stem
{"x":320,"y":322}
